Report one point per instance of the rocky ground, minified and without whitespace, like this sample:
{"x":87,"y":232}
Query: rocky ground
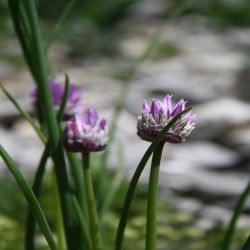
{"x":210,"y":170}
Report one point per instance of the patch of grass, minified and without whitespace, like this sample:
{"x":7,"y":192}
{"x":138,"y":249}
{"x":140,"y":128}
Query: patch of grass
{"x":175,"y":229}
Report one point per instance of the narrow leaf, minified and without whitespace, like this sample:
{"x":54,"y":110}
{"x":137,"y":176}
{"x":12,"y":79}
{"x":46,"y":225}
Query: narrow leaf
{"x":64,"y":99}
{"x":84,"y":230}
{"x":227,"y":241}
{"x":115,"y":184}
{"x":30,"y":197}
{"x":247,"y":244}
{"x":60,"y":22}
{"x":24,"y":114}
{"x":36,"y":187}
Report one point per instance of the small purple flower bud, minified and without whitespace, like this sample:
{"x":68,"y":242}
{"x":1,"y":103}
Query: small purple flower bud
{"x":86,"y":132}
{"x":153,"y":120}
{"x":73,"y":104}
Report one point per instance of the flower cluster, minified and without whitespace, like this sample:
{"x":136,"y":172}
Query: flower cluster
{"x":86,"y":132}
{"x":155,"y":117}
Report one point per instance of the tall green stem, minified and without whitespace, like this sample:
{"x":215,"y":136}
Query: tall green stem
{"x":36,"y":187}
{"x":151,"y":227}
{"x":93,"y":217}
{"x":58,"y":212}
{"x":135,"y":179}
{"x":236,"y":214}
{"x":49,"y":116}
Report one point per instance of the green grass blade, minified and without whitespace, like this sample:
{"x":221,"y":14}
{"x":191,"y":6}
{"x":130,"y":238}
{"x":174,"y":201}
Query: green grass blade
{"x":24,"y":114}
{"x":14,"y":8}
{"x":64,"y":99}
{"x":236,"y":215}
{"x":135,"y":179}
{"x":131,"y":74}
{"x":59,"y":23}
{"x":247,"y":244}
{"x":84,"y":229}
{"x":120,"y":103}
{"x":30,"y":197}
{"x":50,"y":122}
{"x":36,"y":187}
{"x":59,"y":228}
{"x":77,"y":175}
{"x":116,"y":183}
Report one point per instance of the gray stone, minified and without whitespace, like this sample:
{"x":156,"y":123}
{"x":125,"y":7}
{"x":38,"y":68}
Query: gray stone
{"x":206,"y":182}
{"x":239,"y":138}
{"x":214,"y":117}
{"x":203,"y":154}
{"x":189,"y":205}
{"x":22,"y":146}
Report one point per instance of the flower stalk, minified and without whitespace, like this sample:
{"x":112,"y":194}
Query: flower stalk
{"x":93,"y":217}
{"x":151,"y":226}
{"x":226,"y":244}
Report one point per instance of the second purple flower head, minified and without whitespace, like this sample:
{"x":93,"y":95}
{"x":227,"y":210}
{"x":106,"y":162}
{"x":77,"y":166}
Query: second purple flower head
{"x":73,"y":104}
{"x":86,"y":132}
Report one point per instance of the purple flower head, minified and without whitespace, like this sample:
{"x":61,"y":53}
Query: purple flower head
{"x":155,"y":117}
{"x":57,"y":91}
{"x":86,"y":132}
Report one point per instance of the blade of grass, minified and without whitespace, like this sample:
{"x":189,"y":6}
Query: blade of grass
{"x":115,"y":184}
{"x":134,"y":69}
{"x":247,"y":244}
{"x":30,"y":197}
{"x":77,"y":174}
{"x":119,"y":106}
{"x":84,"y":229}
{"x":227,"y":241}
{"x":36,"y":187}
{"x":59,"y":23}
{"x":126,"y":85}
{"x":49,"y":117}
{"x":58,"y":217}
{"x":14,"y":7}
{"x":135,"y":179}
{"x":112,"y":191}
{"x":37,"y":183}
{"x":24,"y":114}
{"x":64,"y":99}
{"x":126,"y":88}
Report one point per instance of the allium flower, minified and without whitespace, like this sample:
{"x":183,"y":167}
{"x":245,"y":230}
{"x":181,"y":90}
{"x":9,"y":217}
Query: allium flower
{"x":153,"y":119}
{"x":86,"y":132}
{"x":57,"y":91}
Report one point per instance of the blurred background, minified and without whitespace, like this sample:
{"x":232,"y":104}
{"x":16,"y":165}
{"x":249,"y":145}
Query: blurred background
{"x":202,"y":54}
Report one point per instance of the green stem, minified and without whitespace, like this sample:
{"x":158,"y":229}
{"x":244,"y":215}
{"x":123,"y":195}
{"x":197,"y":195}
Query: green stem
{"x":30,"y":197}
{"x":77,"y":174}
{"x":236,"y":214}
{"x":93,"y":217}
{"x":135,"y":179}
{"x":24,"y":114}
{"x":84,"y":229}
{"x":247,"y":244}
{"x":36,"y":187}
{"x":151,"y":226}
{"x":58,"y":212}
{"x":49,"y":117}
{"x":59,"y":24}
